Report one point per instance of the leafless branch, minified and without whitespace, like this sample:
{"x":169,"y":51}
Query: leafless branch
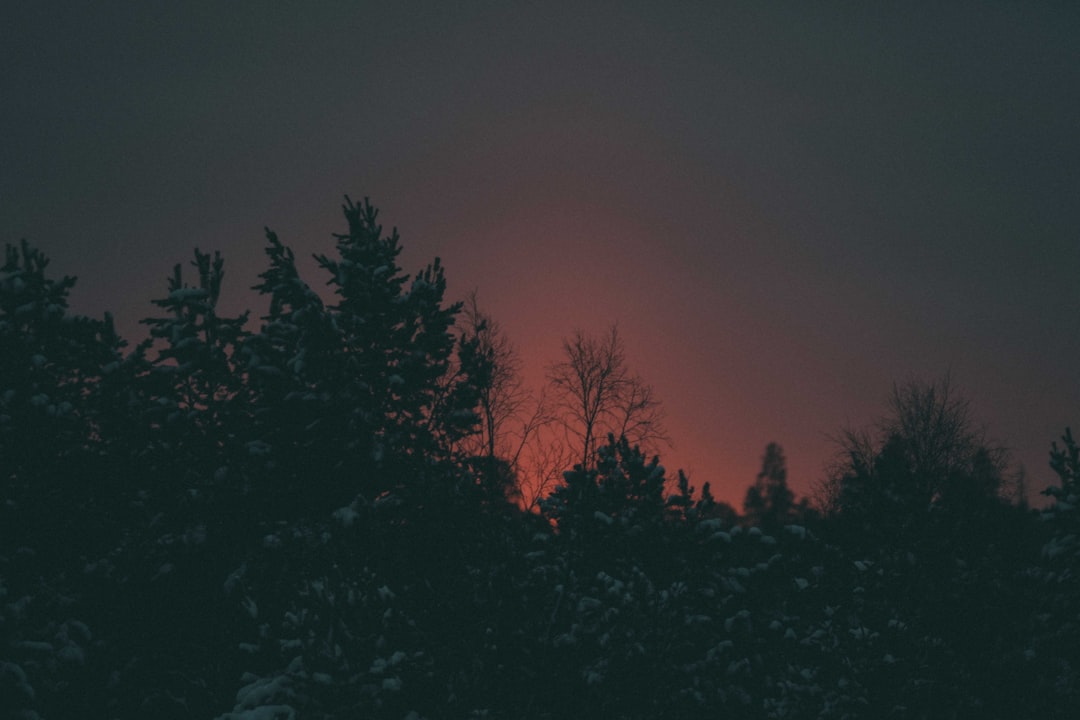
{"x":595,"y":394}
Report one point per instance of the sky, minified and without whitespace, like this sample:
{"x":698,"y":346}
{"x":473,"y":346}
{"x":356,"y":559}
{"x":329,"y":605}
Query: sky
{"x":786,"y":207}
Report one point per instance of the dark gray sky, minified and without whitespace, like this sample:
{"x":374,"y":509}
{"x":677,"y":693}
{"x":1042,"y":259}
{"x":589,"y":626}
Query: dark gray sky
{"x":786,"y":206}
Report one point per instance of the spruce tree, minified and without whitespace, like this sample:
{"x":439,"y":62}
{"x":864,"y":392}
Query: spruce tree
{"x":769,"y":502}
{"x":365,"y":393}
{"x":194,"y":380}
{"x":51,"y":367}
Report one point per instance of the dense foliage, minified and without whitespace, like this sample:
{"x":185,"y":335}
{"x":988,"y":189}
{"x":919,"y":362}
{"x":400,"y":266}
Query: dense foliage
{"x":285,"y":523}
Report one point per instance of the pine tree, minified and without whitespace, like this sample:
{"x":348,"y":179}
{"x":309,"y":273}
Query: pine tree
{"x":293,"y":364}
{"x":194,"y":393}
{"x":1055,"y":635}
{"x":61,"y":509}
{"x":624,"y":490}
{"x":769,"y":502}
{"x":364,"y":394}
{"x":51,"y":367}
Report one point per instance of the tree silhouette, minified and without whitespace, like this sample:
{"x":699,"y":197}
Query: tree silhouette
{"x":596,"y":394}
{"x":625,"y":488}
{"x":309,"y":521}
{"x":1065,"y":462}
{"x":196,"y":395}
{"x":769,"y":502}
{"x":367,"y":392}
{"x":925,"y":452}
{"x":52,"y":366}
{"x":510,"y":416}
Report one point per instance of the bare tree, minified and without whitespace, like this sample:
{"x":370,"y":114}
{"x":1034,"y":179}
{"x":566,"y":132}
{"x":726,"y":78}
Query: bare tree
{"x":504,"y":395}
{"x":595,"y":395}
{"x":927,"y":449}
{"x":936,"y":423}
{"x":855,"y":452}
{"x":511,"y":417}
{"x":543,"y":463}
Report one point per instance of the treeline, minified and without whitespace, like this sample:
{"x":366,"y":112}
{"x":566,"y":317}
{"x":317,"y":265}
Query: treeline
{"x":356,"y":510}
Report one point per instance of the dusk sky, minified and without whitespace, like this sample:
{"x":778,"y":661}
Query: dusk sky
{"x":785,"y":206}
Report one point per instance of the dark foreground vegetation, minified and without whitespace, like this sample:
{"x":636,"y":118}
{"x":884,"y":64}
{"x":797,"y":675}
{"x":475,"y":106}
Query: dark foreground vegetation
{"x":296,"y":522}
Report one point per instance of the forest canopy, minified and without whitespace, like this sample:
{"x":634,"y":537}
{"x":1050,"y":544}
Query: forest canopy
{"x":351,"y":507}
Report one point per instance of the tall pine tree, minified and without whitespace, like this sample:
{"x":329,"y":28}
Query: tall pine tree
{"x":363,"y":394}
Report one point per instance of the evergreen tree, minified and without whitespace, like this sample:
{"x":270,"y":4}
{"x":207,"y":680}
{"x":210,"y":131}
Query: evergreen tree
{"x":397,"y":344}
{"x":51,"y":368}
{"x":1055,"y":631}
{"x":195,"y":393}
{"x":623,"y":491}
{"x":769,"y":502}
{"x":292,"y":365}
{"x":1065,"y":462}
{"x":62,"y":506}
{"x":364,"y":394}
{"x":160,"y":594}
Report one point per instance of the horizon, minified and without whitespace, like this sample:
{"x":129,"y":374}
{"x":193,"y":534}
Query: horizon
{"x":785,"y":209}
